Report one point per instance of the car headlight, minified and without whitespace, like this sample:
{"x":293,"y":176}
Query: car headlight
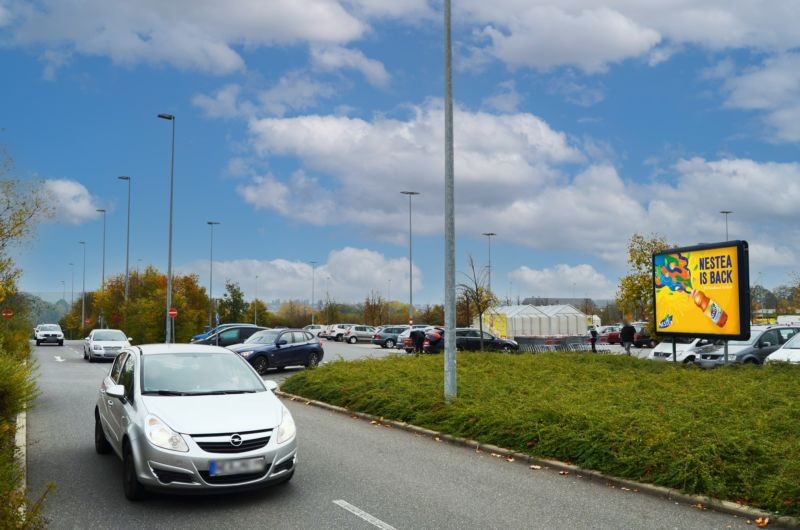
{"x":97,"y":347}
{"x":247,"y":353}
{"x":162,"y":436}
{"x":286,"y":430}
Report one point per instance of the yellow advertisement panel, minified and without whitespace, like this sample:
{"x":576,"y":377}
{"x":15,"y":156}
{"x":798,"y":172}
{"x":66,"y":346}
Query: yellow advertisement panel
{"x":703,"y":291}
{"x":496,"y":324}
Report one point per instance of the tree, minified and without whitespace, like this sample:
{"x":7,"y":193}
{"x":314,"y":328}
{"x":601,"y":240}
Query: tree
{"x":463,"y":311}
{"x":432,"y":314}
{"x":376,"y":310}
{"x":330,"y":311}
{"x":258,"y":311}
{"x":292,"y":314}
{"x":476,"y":294}
{"x":232,"y":307}
{"x":635,"y":296}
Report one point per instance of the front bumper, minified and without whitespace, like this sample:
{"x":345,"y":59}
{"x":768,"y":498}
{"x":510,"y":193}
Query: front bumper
{"x":162,"y":469}
{"x":50,"y":338}
{"x":104,"y":354}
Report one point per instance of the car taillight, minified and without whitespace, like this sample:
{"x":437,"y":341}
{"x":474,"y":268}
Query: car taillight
{"x":427,"y":342}
{"x":376,"y":336}
{"x":436,"y":336}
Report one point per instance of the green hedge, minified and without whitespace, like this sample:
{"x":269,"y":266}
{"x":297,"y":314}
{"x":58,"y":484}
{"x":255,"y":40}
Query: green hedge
{"x":730,"y":433}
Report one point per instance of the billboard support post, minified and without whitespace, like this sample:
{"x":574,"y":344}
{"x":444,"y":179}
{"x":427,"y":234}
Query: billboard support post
{"x":674,"y":351}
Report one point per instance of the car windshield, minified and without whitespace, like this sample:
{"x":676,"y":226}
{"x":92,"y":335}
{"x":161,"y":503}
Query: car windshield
{"x":263,"y":337}
{"x":793,"y":343}
{"x":754,"y":335}
{"x":198,"y":374}
{"x":49,"y":327}
{"x":110,"y":335}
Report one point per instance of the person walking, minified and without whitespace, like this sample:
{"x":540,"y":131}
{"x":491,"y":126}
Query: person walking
{"x":593,"y":338}
{"x":418,"y":338}
{"x":626,"y":335}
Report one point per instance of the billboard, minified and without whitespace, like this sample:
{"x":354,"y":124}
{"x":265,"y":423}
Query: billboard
{"x":703,"y":291}
{"x":496,"y":322}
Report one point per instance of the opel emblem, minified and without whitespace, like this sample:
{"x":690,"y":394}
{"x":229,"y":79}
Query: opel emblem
{"x":236,"y":440}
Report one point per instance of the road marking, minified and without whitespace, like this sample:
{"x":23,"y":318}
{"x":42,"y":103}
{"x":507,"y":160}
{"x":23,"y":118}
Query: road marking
{"x":59,"y":359}
{"x":364,"y":515}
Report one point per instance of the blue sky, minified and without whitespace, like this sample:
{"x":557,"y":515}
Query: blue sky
{"x":299,"y":122}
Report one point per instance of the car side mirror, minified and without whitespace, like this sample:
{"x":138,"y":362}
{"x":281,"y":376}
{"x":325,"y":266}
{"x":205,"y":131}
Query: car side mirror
{"x":271,"y":385}
{"x":281,"y":342}
{"x":764,"y":344}
{"x":117,"y":391}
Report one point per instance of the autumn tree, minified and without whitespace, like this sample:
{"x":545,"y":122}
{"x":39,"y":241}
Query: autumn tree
{"x":232,"y":307}
{"x":376,"y":310}
{"x":476,"y":293}
{"x":635,"y":294}
{"x":330,"y":313}
{"x":464,"y":313}
{"x":258,"y":312}
{"x":292,"y":314}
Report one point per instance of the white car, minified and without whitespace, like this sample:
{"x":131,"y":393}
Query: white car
{"x":401,"y":338}
{"x":687,"y":349}
{"x":104,"y":344}
{"x":49,"y":333}
{"x":788,"y":353}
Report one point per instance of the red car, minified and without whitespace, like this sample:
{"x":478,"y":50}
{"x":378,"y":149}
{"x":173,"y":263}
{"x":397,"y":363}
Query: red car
{"x":610,"y":335}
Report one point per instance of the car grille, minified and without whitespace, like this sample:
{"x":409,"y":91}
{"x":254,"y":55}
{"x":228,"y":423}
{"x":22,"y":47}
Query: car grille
{"x":221,"y":443}
{"x":112,"y":349}
{"x":232,"y":479}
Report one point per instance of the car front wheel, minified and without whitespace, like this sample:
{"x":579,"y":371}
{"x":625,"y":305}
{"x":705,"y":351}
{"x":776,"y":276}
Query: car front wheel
{"x":352,"y":340}
{"x":261,"y":365}
{"x":389,"y":343}
{"x":313,"y":360}
{"x":134,"y":491}
{"x":101,"y":444}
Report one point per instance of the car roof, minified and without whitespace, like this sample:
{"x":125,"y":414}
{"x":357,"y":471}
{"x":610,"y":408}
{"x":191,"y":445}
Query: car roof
{"x":156,"y":349}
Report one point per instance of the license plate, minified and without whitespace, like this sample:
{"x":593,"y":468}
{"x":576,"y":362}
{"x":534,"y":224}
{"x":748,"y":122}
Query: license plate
{"x":236,"y":467}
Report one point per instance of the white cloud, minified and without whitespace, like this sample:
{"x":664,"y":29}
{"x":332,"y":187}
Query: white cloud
{"x":71,"y":201}
{"x":506,"y":99}
{"x":189,"y":34}
{"x":396,"y":9}
{"x":223,"y":104}
{"x":562,"y":280}
{"x":348,"y":275}
{"x":294,"y":91}
{"x":576,"y":93}
{"x":334,"y":58}
{"x":774,"y":87}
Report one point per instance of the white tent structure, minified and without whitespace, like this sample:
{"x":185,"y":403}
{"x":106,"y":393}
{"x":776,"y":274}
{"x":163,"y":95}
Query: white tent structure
{"x":533,"y":321}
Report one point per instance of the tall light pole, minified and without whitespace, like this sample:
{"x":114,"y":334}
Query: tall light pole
{"x":450,"y":388}
{"x":171,"y":118}
{"x":255,"y":306}
{"x":128,"y":236}
{"x":103,"y":277}
{"x":72,"y":287}
{"x":313,"y":271}
{"x":410,"y":262}
{"x":726,"y":213}
{"x":489,"y":237}
{"x":83,"y":288}
{"x":64,"y":291}
{"x":211,"y":275}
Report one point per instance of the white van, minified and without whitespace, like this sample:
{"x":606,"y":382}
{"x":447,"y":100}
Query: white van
{"x":687,"y":349}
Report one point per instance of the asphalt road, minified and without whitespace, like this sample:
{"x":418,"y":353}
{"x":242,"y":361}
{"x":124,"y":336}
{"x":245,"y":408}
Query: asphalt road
{"x":350,"y":474}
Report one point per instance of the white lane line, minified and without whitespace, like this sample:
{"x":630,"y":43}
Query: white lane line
{"x":59,"y":359}
{"x":364,"y":515}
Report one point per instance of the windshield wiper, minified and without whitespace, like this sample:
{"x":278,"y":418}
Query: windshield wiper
{"x":220,"y":392}
{"x":164,"y":393}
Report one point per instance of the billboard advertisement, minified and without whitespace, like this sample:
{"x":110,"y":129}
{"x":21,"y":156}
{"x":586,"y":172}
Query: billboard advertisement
{"x":703,"y":291}
{"x":496,"y":323}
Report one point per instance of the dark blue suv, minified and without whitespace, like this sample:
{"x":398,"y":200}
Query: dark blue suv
{"x":279,"y":348}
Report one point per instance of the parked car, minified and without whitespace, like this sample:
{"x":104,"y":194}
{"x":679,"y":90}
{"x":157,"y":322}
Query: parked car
{"x":687,"y":349}
{"x":642,"y":337}
{"x":403,"y":339}
{"x":323,"y":332}
{"x":181,"y":418}
{"x":230,"y":335}
{"x":387,"y":336}
{"x":788,"y":353}
{"x":337,"y":331}
{"x":468,"y":339}
{"x":104,"y":344}
{"x":49,"y":333}
{"x":358,"y":332}
{"x":314,"y":329}
{"x":210,"y":331}
{"x":763,"y":341}
{"x":279,"y":348}
{"x":609,"y":334}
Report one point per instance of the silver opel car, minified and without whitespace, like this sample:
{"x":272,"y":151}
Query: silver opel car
{"x":192,"y":417}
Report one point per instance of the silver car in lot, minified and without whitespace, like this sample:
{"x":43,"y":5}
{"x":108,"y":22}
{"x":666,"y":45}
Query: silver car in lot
{"x":192,"y":418}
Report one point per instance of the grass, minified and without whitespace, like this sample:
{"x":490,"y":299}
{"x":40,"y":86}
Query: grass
{"x":729,"y":433}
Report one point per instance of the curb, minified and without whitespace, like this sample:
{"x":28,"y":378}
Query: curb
{"x":21,"y":442}
{"x":698,"y":501}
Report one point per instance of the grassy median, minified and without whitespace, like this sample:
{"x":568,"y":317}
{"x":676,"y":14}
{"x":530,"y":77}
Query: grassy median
{"x":730,"y":433}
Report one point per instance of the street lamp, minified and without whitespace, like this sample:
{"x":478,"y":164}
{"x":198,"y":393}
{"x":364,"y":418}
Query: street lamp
{"x":726,"y":213}
{"x":103,"y":277}
{"x":489,"y":237}
{"x":450,"y":388}
{"x":83,"y":288}
{"x":211,"y":276}
{"x":410,"y":266}
{"x":128,"y":236}
{"x":64,"y":291}
{"x":72,"y":285}
{"x":171,"y":118}
{"x":255,"y":306}
{"x":313,"y":271}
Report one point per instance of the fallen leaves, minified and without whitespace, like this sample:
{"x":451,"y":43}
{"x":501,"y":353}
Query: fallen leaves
{"x":761,"y":522}
{"x":534,"y":466}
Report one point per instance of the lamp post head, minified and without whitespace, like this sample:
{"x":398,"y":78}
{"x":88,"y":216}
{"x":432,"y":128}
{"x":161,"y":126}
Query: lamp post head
{"x":164,"y":116}
{"x":726,"y":212}
{"x":212,"y":223}
{"x":410,"y":192}
{"x":124,"y":178}
{"x":490,"y":234}
{"x":81,"y":242}
{"x":101,"y":210}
